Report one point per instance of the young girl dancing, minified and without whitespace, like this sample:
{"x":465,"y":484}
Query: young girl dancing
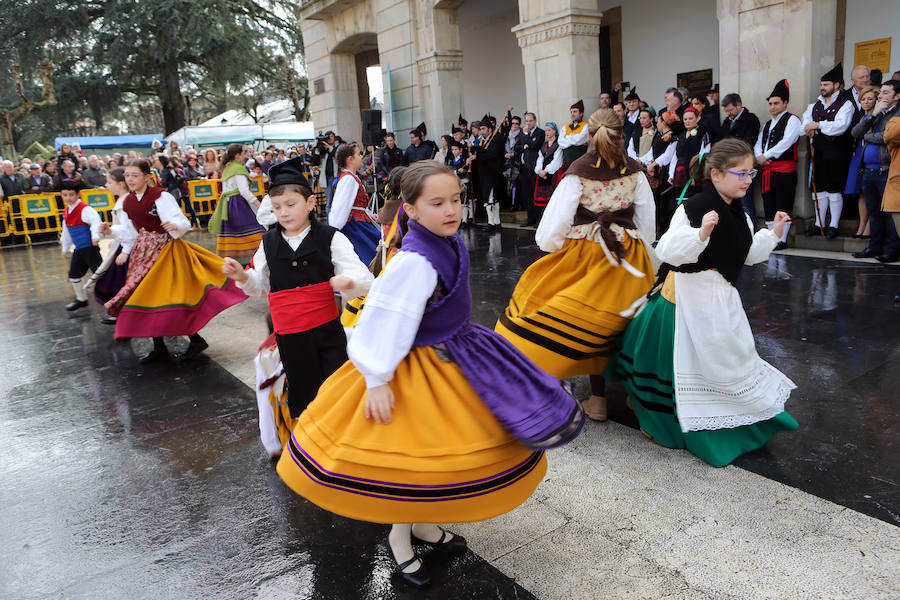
{"x":173,"y":287}
{"x":569,"y":306}
{"x":110,"y":277}
{"x":433,"y":418}
{"x":234,"y":221}
{"x":349,"y":210}
{"x":688,"y":360}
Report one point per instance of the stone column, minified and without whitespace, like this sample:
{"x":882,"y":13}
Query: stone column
{"x":440,"y":78}
{"x":761,"y":42}
{"x":560,"y":52}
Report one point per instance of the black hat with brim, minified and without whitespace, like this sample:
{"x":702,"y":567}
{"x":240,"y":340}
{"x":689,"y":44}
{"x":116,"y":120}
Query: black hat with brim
{"x":579,"y":105}
{"x":632,"y":95}
{"x":835,"y":75}
{"x":288,"y":172}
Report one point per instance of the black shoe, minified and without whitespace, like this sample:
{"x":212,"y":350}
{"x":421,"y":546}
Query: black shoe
{"x":867,"y":253}
{"x":107,"y":320}
{"x":76,"y":304}
{"x":455,"y":545}
{"x":888,"y":258}
{"x":155,"y":356}
{"x":194,"y":348}
{"x":531,"y":224}
{"x":813,"y":231}
{"x":781,"y":246}
{"x":831,"y":232}
{"x":418,"y":578}
{"x":896,"y":301}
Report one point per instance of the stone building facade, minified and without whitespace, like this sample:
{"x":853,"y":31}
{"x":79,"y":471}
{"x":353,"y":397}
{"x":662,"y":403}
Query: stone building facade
{"x":440,"y":58}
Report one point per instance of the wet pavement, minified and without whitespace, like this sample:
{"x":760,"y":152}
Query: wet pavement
{"x":123,"y":481}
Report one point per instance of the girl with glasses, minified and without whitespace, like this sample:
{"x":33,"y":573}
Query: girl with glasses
{"x":688,"y":360}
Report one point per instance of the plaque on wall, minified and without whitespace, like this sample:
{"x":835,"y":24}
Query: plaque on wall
{"x":875,"y":54}
{"x":697,"y":82}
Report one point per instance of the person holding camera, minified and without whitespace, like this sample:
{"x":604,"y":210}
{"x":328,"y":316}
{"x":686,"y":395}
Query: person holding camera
{"x":323,"y":157}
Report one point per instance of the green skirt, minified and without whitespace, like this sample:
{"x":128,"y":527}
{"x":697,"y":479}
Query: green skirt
{"x":644,"y":364}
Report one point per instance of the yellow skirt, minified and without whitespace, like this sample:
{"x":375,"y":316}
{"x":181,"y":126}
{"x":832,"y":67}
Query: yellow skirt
{"x":443,"y":458}
{"x":570,"y":306}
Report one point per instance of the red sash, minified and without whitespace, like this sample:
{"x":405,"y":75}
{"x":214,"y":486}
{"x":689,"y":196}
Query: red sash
{"x":776,"y":166}
{"x":304,"y":308}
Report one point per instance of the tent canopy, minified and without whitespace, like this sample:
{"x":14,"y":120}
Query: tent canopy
{"x":111,"y":141}
{"x":222,"y":135}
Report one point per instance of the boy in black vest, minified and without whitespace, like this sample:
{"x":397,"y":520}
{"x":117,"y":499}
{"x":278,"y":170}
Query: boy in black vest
{"x":80,"y":236}
{"x":776,"y":153}
{"x":299,"y":265}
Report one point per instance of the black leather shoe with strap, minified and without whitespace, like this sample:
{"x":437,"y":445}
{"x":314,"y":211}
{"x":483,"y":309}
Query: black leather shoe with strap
{"x":455,"y":545}
{"x":418,"y":578}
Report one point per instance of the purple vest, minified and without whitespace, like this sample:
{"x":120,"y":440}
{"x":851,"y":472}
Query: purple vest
{"x":450,"y":258}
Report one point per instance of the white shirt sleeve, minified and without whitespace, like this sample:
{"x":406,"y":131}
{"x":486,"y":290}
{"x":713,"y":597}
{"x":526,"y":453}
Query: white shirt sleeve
{"x":91,"y":218}
{"x":667,"y":156}
{"x":391,"y":317}
{"x":647,"y":158}
{"x":268,"y":431}
{"x":645,"y":209}
{"x":557,"y":161}
{"x":123,"y":231}
{"x":258,"y":282}
{"x":841,"y":121}
{"x":579,"y":138}
{"x":559,"y":214}
{"x":346,"y":262}
{"x":243,"y":186}
{"x":792,"y":133}
{"x":342,"y":202}
{"x":630,"y":151}
{"x":540,"y":163}
{"x":168,"y":211}
{"x":673,"y":164}
{"x":65,"y":239}
{"x":807,"y":115}
{"x":681,"y":244}
{"x":265,"y":215}
{"x":764,"y":242}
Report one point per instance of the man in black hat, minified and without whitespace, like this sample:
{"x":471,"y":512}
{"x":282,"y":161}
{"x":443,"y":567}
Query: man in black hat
{"x":464,"y":125}
{"x":776,"y":153}
{"x":575,"y":137}
{"x":632,"y":114}
{"x":826,"y":122}
{"x":489,"y":157}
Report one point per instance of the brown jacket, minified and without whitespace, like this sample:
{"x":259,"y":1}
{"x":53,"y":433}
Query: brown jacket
{"x":891,"y":200}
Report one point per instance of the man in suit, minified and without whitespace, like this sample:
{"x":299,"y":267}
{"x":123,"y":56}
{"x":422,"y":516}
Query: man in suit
{"x":528,"y":144}
{"x":742,"y":124}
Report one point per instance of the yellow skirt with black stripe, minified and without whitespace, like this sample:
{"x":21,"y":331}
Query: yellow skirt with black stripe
{"x":443,"y":458}
{"x":570,"y":306}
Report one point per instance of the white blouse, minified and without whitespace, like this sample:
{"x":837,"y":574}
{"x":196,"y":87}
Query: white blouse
{"x":242,"y":185}
{"x":681,"y":244}
{"x":167,"y":210}
{"x":560,"y":213}
{"x":555,"y":163}
{"x":343,"y":258}
{"x":391,"y":317}
{"x":342,"y":203}
{"x":579,"y":137}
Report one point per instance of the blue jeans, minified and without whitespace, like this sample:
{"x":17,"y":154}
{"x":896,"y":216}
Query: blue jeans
{"x":881,"y":226}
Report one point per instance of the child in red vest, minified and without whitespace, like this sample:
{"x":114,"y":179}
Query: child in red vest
{"x":80,"y":236}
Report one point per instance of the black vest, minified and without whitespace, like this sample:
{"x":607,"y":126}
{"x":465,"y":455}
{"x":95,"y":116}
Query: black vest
{"x":688,"y":147}
{"x":730,"y":240}
{"x":309,"y":264}
{"x":776,"y":135}
{"x":659,"y":145}
{"x":832,"y":147}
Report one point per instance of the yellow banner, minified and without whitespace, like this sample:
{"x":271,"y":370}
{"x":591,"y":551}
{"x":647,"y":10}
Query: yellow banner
{"x":37,"y":205}
{"x":875,"y":54}
{"x":98,"y":199}
{"x":257,"y":186}
{"x":203,"y":189}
